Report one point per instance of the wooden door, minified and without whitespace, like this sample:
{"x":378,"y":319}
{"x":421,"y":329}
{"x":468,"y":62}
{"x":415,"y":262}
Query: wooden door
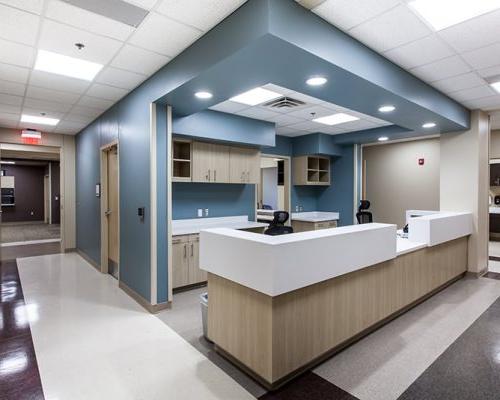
{"x":180,"y":262}
{"x":219,"y":163}
{"x":202,"y":169}
{"x":112,"y":209}
{"x":196,"y":275}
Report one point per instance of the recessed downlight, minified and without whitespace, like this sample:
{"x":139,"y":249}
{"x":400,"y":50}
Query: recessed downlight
{"x":383,"y":139}
{"x":316,"y":81}
{"x":387,"y":108}
{"x":203,"y":95}
{"x":429,"y":125}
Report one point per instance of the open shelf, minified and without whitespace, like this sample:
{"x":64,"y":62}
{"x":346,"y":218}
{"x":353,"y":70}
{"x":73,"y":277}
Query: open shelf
{"x":311,"y":170}
{"x":181,"y":162}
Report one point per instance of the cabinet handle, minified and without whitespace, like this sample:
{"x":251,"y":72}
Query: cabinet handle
{"x":242,"y":177}
{"x":208,"y":176}
{"x":192,"y":249}
{"x":248,"y":176}
{"x":185,"y":251}
{"x":215,"y":175}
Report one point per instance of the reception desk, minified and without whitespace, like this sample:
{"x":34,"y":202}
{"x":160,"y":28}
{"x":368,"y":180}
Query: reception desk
{"x":279,"y":305}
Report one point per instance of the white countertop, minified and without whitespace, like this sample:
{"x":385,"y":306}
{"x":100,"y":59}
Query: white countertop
{"x":404,"y":246}
{"x":315,"y":216}
{"x":194,"y":226}
{"x":494,"y":210}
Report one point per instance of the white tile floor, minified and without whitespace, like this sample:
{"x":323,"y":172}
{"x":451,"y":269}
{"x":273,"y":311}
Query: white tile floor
{"x":94,"y":342}
{"x":494,"y":250}
{"x":384,"y":364}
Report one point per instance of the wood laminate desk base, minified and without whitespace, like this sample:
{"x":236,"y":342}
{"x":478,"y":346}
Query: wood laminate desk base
{"x":275,"y":338}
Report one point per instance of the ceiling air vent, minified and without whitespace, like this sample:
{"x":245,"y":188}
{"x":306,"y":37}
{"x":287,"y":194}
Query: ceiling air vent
{"x":285,"y":102}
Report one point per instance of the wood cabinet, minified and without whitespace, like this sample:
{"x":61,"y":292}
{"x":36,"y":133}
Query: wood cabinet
{"x":185,"y":261}
{"x":494,"y":174}
{"x":181,"y":161}
{"x":210,"y":162}
{"x":244,"y":165}
{"x":311,"y":170}
{"x":303,"y":226}
{"x":494,"y":223}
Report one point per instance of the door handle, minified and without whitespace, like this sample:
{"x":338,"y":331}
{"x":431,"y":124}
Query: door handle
{"x":107,"y":212}
{"x":185,"y":251}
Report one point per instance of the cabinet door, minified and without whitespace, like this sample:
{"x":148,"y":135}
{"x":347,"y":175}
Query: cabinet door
{"x":196,"y":275}
{"x":253,"y":166}
{"x":219,"y":164}
{"x":180,"y":262}
{"x":202,"y":169}
{"x":244,"y":165}
{"x":237,"y":165}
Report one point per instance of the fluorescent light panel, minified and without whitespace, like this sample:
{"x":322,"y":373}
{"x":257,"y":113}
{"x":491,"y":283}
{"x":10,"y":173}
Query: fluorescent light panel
{"x":444,"y":13}
{"x":67,"y":66}
{"x":39,"y":120}
{"x":496,"y":86}
{"x":255,"y":96}
{"x":7,"y":162}
{"x":336,"y":119}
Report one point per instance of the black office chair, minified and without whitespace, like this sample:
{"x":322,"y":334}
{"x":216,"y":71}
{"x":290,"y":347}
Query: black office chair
{"x":277,"y":226}
{"x":266,"y":207}
{"x":363,"y":216}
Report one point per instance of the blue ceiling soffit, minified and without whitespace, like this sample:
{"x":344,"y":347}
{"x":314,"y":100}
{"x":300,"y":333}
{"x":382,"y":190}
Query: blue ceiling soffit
{"x":280,"y":42}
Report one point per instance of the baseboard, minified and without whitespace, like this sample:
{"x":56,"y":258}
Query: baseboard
{"x":88,"y":259}
{"x":152,"y":308}
{"x":71,"y":250}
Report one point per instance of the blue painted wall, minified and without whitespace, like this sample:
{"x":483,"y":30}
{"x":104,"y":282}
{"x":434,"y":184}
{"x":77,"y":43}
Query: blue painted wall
{"x":226,"y":127}
{"x":221,"y":199}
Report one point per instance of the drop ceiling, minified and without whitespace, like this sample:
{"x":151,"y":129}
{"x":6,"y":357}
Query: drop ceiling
{"x":455,"y":60}
{"x":298,"y":121}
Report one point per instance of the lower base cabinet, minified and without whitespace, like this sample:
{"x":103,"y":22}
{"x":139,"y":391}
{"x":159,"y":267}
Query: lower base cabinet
{"x":303,"y":226}
{"x":185,"y":261}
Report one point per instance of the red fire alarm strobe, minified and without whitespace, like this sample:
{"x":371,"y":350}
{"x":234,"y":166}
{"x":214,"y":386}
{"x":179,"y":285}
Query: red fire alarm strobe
{"x":421,"y":161}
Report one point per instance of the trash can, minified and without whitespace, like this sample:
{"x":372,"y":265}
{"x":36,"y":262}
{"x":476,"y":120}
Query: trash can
{"x":204,"y":313}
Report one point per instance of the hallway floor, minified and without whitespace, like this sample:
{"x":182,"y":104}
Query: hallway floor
{"x":92,"y":341}
{"x":12,"y":232}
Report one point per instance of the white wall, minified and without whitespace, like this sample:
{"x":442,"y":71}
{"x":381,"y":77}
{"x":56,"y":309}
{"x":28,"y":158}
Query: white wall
{"x":464,"y":182}
{"x":270,"y":187}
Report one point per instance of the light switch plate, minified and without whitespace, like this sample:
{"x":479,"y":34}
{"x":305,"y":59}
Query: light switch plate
{"x":200,"y":212}
{"x":206,"y":212}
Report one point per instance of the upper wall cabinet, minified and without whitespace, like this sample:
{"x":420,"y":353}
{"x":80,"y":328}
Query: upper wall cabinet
{"x":210,"y":162}
{"x":311,"y":170}
{"x":181,"y":161}
{"x":244,"y":165}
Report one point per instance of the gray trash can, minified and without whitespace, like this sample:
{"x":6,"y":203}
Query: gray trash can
{"x":204,"y":313}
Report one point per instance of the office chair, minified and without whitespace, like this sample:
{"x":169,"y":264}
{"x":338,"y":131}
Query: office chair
{"x":277,"y":226}
{"x":266,"y":207}
{"x":363,"y":216}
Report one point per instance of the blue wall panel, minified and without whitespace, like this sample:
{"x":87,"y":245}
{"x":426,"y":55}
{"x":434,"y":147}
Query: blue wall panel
{"x":221,"y":199}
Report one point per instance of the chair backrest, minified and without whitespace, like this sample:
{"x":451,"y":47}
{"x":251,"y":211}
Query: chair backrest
{"x":266,"y":207}
{"x":364,"y":205}
{"x":277,"y":225}
{"x":364,"y":217}
{"x":280,"y":218}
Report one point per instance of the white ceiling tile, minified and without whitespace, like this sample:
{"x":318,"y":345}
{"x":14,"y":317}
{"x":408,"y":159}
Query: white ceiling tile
{"x":139,"y":60}
{"x":420,"y":52}
{"x":69,"y":127}
{"x":10,"y":116}
{"x":306,"y":113}
{"x":61,"y":39}
{"x":19,"y":26}
{"x":391,"y":29}
{"x":304,"y":98}
{"x":83,"y":19}
{"x":164,"y":35}
{"x":285,"y":120}
{"x":474,"y":33}
{"x":486,"y":103}
{"x":84,"y":119}
{"x":473,"y":93}
{"x":34,"y":6}
{"x":85,"y":111}
{"x":120,"y":78}
{"x":14,"y":73}
{"x":202,"y":14}
{"x":11,"y":109}
{"x":229,"y":107}
{"x":489,"y":72}
{"x":10,"y":99}
{"x":146,"y":4}
{"x":277,"y":89}
{"x":441,"y":69}
{"x":46,"y":105}
{"x":308,"y":126}
{"x":94,"y":102}
{"x":38,"y":127}
{"x":14,"y":88}
{"x":17,"y":54}
{"x":291,"y":132}
{"x":459,"y":82}
{"x":6,"y":123}
{"x":484,"y":57}
{"x":52,"y":95}
{"x":40,"y":111}
{"x":58,"y":82}
{"x":106,"y":92}
{"x":257,"y":113}
{"x":341,"y":12}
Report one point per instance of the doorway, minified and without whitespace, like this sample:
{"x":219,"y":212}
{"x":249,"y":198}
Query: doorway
{"x":110,"y":210}
{"x":273,"y":189}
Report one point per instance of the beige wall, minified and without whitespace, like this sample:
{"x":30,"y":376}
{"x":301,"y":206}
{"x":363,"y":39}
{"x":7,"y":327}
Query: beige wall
{"x":495,"y":144}
{"x":66,"y":145}
{"x":464,"y":182}
{"x":396,"y":183}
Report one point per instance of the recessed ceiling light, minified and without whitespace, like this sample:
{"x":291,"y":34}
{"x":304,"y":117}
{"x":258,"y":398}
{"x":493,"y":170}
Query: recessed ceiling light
{"x":255,"y":96}
{"x":383,"y":139}
{"x":444,"y":13}
{"x":67,"y":66}
{"x":428,"y":125}
{"x":386,"y":109}
{"x":496,"y":86}
{"x":316,"y":81}
{"x":335,"y":119}
{"x":34,"y":119}
{"x":203,"y":95}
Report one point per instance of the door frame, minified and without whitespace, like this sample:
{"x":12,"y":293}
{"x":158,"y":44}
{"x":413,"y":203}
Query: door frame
{"x":104,"y":201}
{"x":288,"y":182}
